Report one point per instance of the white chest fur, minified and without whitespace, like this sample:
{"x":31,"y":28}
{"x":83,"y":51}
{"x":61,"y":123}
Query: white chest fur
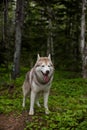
{"x":38,"y":87}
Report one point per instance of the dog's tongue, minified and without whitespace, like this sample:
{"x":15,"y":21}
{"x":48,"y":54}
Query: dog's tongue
{"x":46,"y":78}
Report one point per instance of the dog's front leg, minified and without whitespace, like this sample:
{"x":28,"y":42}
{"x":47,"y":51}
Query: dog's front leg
{"x":46,"y":94}
{"x":37,"y":100}
{"x":32,"y":100}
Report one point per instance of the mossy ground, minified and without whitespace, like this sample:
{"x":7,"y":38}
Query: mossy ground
{"x":67,"y":104}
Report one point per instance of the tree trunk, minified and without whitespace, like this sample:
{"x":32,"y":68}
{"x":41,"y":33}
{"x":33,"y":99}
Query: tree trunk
{"x":50,"y":47}
{"x":5,"y":33}
{"x":83,"y":44}
{"x":18,"y":37}
{"x":5,"y":19}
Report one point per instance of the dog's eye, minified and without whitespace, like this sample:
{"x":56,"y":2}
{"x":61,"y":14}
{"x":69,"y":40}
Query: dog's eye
{"x":51,"y":65}
{"x":48,"y":65}
{"x":42,"y":65}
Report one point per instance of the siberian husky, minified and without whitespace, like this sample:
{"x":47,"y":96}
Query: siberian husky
{"x":38,"y":79}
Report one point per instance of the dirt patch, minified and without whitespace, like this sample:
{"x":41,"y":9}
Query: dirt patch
{"x":13,"y":121}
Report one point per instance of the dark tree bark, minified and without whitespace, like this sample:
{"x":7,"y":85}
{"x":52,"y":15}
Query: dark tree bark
{"x":50,"y":43}
{"x":5,"y":20}
{"x":18,"y":37}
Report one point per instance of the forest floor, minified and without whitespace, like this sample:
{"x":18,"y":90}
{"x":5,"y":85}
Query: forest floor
{"x":12,"y":122}
{"x":67,"y":103}
{"x":10,"y":119}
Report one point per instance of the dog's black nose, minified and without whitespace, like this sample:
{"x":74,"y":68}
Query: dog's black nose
{"x":47,"y":72}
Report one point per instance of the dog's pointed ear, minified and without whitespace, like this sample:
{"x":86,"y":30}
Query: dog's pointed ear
{"x":49,"y":57}
{"x":38,"y":56}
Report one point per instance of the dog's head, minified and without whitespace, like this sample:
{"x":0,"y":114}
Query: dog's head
{"x":44,"y":68}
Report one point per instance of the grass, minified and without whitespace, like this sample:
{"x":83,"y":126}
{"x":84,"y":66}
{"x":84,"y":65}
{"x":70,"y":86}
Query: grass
{"x":67,"y":103}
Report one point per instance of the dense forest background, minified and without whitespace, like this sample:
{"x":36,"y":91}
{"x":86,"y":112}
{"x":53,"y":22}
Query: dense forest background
{"x":58,"y":27}
{"x":29,"y":27}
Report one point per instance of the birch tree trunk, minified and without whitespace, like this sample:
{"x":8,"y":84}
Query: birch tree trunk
{"x":18,"y":37}
{"x":83,"y":43}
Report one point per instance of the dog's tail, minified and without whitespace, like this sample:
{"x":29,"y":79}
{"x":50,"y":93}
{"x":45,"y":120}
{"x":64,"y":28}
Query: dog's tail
{"x":26,"y":85}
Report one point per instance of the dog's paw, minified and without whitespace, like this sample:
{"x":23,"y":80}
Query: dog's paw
{"x":38,"y":104}
{"x":23,"y":105}
{"x":31,"y":113}
{"x":47,"y":111}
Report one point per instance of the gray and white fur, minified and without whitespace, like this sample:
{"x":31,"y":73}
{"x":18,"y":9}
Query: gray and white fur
{"x":38,"y":79}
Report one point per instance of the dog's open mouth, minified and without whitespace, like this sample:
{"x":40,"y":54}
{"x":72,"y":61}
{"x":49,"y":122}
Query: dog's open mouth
{"x":46,"y":77}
